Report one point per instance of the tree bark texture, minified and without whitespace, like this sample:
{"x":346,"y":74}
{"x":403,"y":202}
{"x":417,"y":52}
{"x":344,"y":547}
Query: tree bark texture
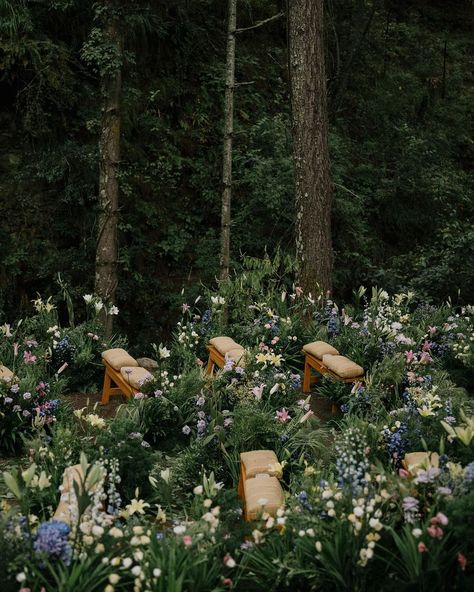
{"x":228,"y":137}
{"x":313,"y":194}
{"x":106,"y":276}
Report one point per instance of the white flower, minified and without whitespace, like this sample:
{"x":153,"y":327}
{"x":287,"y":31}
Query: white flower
{"x":21,"y":577}
{"x":99,"y":305}
{"x":127,"y":562}
{"x":164,"y":352}
{"x":88,"y":298}
{"x":179,"y":529}
{"x":44,"y":481}
{"x":113,"y":310}
{"x":358,"y":511}
{"x":97,"y":530}
{"x":417,"y":532}
{"x":157,"y":572}
{"x":5,"y":329}
{"x":198,"y":490}
{"x":114,"y":578}
{"x":116,"y":533}
{"x":318,"y":546}
{"x":136,"y":570}
{"x":165,"y":475}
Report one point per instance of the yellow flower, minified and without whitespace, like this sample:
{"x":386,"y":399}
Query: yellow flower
{"x":261,"y":358}
{"x":136,"y":506}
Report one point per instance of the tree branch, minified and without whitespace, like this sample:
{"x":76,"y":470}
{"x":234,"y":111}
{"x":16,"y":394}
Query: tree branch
{"x":260,"y":23}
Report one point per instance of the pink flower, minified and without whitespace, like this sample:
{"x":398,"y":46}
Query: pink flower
{"x":426,"y":346}
{"x":432,"y":330}
{"x":282,"y":416}
{"x":185,"y":308}
{"x":257,"y":391}
{"x":229,"y":561}
{"x":411,"y":376}
{"x":425,"y":358}
{"x":403,"y":473}
{"x":462,"y":561}
{"x":306,"y":416}
{"x":409,"y":355}
{"x":29,"y":358}
{"x":199,"y":362}
{"x":440,"y":518}
{"x":187,"y":540}
{"x":227,"y":582}
{"x":435,"y":532}
{"x":298,"y":291}
{"x":422,"y":548}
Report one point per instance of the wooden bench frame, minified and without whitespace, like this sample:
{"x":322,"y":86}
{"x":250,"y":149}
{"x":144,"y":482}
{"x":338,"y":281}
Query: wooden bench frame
{"x":215,"y":358}
{"x":122,"y":387}
{"x":311,"y":362}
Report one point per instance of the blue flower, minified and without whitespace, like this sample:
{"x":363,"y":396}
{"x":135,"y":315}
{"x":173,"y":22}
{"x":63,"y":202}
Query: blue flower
{"x":52,"y":540}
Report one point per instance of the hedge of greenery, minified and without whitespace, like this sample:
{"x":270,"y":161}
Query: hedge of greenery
{"x":164,"y":514}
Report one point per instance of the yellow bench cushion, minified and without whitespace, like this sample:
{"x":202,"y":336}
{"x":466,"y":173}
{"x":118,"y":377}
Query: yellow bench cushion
{"x":135,"y":376}
{"x":118,"y":358}
{"x":420,"y":460}
{"x":263,"y":493}
{"x":224,"y":344}
{"x":5,"y":373}
{"x":342,"y":366}
{"x":320,"y":348}
{"x":237,"y":355}
{"x":257,"y":461}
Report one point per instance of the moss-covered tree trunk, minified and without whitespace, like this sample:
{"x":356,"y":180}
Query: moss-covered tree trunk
{"x":310,"y":136}
{"x":106,"y":276}
{"x":228,"y":137}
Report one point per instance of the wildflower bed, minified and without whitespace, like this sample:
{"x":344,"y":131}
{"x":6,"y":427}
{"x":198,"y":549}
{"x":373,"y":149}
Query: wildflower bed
{"x":158,"y":507}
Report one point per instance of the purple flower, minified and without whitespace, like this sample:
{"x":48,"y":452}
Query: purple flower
{"x":239,"y":370}
{"x":26,"y":413}
{"x":15,"y":388}
{"x":186,"y":430}
{"x":201,"y":415}
{"x":427,"y":476}
{"x":145,"y":444}
{"x":450,"y":419}
{"x":16,"y":409}
{"x":228,"y":421}
{"x":158,"y":393}
{"x":410,"y":504}
{"x":51,"y":540}
{"x":27,"y":396}
{"x":444,"y":491}
{"x":8,"y":400}
{"x":200,"y":402}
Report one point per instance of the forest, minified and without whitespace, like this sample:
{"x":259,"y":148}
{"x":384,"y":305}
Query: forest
{"x":399,"y":82}
{"x":236,"y":295}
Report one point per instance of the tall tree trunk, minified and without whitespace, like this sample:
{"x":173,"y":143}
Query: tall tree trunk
{"x":106,"y":278}
{"x":228,"y":136}
{"x":313,"y":193}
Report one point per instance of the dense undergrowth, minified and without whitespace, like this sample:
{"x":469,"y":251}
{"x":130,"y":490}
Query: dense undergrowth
{"x":165,"y":515}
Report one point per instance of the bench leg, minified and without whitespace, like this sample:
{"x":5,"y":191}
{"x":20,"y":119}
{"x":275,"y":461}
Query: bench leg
{"x":106,"y":389}
{"x":210,"y":364}
{"x":307,"y":377}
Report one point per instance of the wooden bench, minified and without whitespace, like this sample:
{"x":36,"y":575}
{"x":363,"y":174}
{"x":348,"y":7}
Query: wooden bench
{"x":258,"y":484}
{"x":221,"y":348}
{"x":124,"y":372}
{"x":325,"y":359}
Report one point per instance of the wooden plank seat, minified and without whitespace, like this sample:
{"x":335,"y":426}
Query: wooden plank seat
{"x":124,"y":372}
{"x":326,"y":360}
{"x":221,"y":347}
{"x":259,"y":488}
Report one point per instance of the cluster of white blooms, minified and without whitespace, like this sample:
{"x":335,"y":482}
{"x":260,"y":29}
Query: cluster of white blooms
{"x":187,"y":336}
